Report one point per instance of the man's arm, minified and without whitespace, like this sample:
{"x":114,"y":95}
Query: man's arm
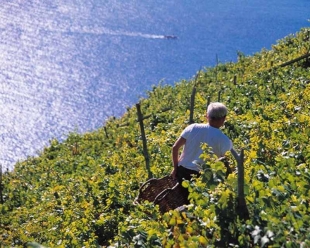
{"x":175,"y":155}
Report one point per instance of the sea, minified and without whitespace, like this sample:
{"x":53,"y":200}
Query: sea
{"x":69,"y":65}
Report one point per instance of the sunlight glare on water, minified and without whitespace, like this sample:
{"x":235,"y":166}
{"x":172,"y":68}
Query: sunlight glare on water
{"x":46,"y":78}
{"x":68,"y":66}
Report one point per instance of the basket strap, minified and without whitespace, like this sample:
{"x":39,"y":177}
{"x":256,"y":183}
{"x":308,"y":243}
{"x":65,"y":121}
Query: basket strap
{"x":136,"y":200}
{"x":147,"y":182}
{"x":162,"y":194}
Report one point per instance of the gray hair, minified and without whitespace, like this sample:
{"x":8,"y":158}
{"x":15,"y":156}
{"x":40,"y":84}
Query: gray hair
{"x":216,"y":110}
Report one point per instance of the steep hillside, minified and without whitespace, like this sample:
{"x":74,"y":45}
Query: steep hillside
{"x":80,"y":192}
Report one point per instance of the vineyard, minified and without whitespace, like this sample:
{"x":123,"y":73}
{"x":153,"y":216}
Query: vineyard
{"x":80,"y":192}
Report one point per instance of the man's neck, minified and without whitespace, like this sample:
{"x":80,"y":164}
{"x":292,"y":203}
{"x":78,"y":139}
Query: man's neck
{"x":213,"y":125}
{"x":216,"y":123}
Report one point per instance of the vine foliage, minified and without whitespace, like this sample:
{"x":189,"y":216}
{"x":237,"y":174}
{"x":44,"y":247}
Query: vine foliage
{"x":80,"y":192}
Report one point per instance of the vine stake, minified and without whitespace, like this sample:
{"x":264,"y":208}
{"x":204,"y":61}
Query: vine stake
{"x":241,"y":207}
{"x":192,"y":107}
{"x":145,"y":151}
{"x":1,"y":185}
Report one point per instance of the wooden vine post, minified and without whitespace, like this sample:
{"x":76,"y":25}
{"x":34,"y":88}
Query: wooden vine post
{"x":235,"y":80}
{"x":241,"y":207}
{"x":305,"y":56}
{"x":106,"y":132}
{"x":193,"y":95}
{"x":145,"y":151}
{"x":191,"y":115}
{"x":208,"y":101}
{"x":1,"y":185}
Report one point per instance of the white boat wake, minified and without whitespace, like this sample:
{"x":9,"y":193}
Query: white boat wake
{"x":106,"y":31}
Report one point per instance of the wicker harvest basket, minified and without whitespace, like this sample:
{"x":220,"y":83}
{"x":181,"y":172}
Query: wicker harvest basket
{"x":154,"y":186}
{"x":165,"y":192}
{"x":171,"y":198}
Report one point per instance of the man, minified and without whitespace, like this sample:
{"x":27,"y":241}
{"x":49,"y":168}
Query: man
{"x":193,"y":136}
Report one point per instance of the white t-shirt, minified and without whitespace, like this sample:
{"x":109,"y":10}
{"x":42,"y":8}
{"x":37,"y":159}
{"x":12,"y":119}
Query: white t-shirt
{"x":196,"y":134}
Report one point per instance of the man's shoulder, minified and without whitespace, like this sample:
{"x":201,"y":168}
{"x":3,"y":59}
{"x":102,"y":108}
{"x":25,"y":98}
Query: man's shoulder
{"x":194,"y":128}
{"x":199,"y":125}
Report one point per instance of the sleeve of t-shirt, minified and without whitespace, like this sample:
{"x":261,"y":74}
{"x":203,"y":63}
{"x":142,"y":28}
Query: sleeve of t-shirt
{"x":185,"y":133}
{"x":226,"y":146}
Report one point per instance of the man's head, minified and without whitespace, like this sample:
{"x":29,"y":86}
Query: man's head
{"x":216,"y":114}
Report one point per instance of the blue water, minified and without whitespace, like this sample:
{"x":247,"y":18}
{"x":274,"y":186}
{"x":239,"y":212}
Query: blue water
{"x":69,"y":65}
